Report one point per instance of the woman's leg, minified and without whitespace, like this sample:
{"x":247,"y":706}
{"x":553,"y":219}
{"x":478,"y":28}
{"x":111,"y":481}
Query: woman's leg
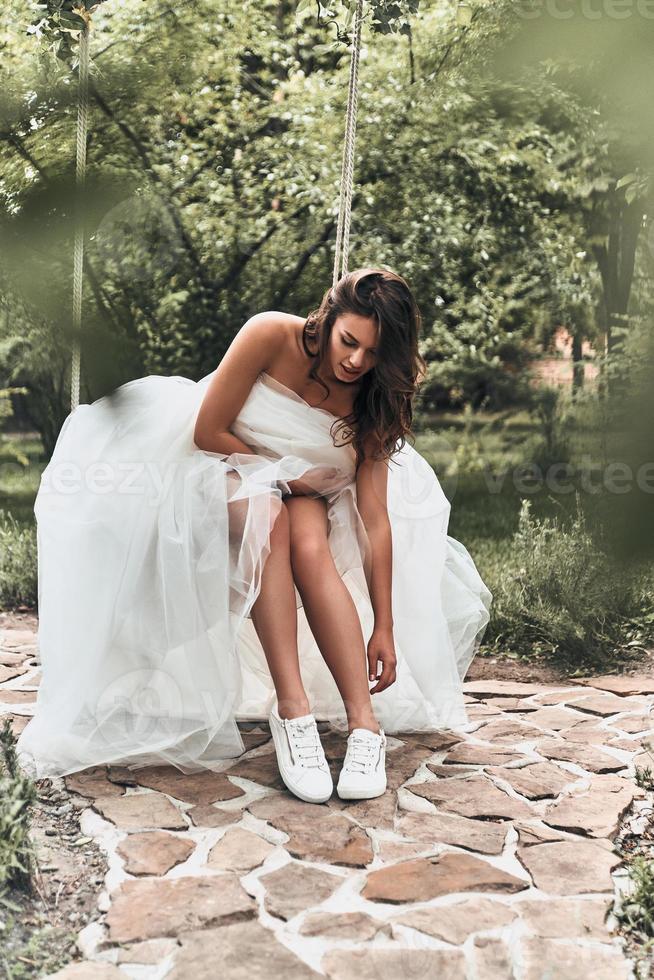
{"x":330,"y":609}
{"x":274,"y":616}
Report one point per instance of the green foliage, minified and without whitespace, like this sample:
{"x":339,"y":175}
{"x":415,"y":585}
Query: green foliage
{"x":561,"y":594}
{"x":18,"y":563}
{"x":60,"y":23}
{"x":17,"y":795}
{"x":384,"y":16}
{"x":214,"y":165}
{"x":636,"y":913}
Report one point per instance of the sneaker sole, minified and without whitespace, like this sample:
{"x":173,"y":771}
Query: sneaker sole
{"x":354,"y":795}
{"x":296,"y":792}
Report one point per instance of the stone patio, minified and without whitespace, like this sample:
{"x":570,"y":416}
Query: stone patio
{"x":490,"y":857}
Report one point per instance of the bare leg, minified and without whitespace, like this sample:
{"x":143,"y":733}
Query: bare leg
{"x":330,"y":609}
{"x":274,"y":616}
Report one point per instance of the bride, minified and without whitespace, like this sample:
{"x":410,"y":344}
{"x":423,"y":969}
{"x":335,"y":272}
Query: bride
{"x":260,"y":544}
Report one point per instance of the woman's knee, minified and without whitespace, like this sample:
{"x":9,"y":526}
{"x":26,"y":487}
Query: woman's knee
{"x":309,"y":552}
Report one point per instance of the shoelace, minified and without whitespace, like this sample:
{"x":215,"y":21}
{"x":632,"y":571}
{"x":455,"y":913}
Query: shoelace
{"x":360,"y":752}
{"x":305,"y":736}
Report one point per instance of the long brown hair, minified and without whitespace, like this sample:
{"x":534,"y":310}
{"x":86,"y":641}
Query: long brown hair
{"x":383,"y":409}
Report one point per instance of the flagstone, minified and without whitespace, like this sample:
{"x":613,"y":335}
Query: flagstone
{"x":451,"y":770}
{"x":587,"y":731}
{"x":454,"y":923}
{"x":153,"y":852}
{"x":237,"y":951}
{"x":252,"y":740}
{"x":474,"y":797}
{"x":377,"y":813}
{"x":582,"y":754}
{"x":140,"y":811}
{"x":239,"y":850}
{"x":17,"y":638}
{"x":555,"y":717}
{"x":511,"y":704}
{"x":374,"y":963}
{"x":559,"y":695}
{"x":32,"y":682}
{"x":620,"y":683}
{"x":296,"y":887}
{"x":485,"y":836}
{"x":565,"y":918}
{"x":569,"y":867}
{"x":93,"y":782}
{"x":644,"y":759}
{"x":608,"y":704}
{"x":535,"y":781}
{"x":482,"y":710}
{"x":317,"y":834}
{"x":146,"y":908}
{"x":122,"y":774}
{"x":262,"y":769}
{"x":491,"y":958}
{"x":403,"y":762}
{"x":423,"y":879}
{"x":17,"y":696}
{"x":436,"y":741}
{"x":596,"y":810}
{"x":633,"y":724}
{"x":392,"y":851}
{"x":357,"y":926}
{"x":197,"y":787}
{"x":212,"y":816}
{"x":512,"y":689}
{"x":533,"y":833}
{"x":148,"y":953}
{"x":560,"y":960}
{"x":624,"y":744}
{"x":7,"y":673}
{"x":481,"y":755}
{"x":19,"y":723}
{"x":9,"y":659}
{"x":510,"y":730}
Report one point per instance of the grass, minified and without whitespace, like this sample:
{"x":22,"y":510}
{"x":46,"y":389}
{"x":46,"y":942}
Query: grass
{"x":45,"y":951}
{"x":19,"y":479}
{"x":17,"y":795}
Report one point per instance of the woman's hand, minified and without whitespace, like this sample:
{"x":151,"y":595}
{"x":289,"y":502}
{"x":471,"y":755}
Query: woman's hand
{"x":381,"y":648}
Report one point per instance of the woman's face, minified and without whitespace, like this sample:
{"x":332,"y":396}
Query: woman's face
{"x":353,"y":344}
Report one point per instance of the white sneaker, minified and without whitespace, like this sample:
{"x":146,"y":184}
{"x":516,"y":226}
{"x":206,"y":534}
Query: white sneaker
{"x":301,"y":757}
{"x":363,"y":775}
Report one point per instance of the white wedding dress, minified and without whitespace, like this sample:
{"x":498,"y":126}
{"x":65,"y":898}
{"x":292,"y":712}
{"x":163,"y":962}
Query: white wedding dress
{"x":150,"y":556}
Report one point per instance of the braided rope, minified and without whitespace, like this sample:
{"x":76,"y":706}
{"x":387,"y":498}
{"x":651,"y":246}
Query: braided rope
{"x":80,"y":175}
{"x":347,"y":167}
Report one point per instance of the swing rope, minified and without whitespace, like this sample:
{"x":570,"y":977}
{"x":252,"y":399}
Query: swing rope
{"x":80,"y":177}
{"x":347,"y":169}
{"x":345,"y":201}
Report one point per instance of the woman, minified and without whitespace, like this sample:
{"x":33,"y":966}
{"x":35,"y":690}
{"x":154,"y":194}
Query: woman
{"x":253,"y":545}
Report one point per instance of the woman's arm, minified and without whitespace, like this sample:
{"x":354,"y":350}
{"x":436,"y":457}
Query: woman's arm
{"x":250,"y":352}
{"x":372,"y":485}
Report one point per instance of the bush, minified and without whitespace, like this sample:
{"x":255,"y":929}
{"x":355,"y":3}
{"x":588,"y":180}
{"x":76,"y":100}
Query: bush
{"x":17,"y":794}
{"x":561,"y":594}
{"x":18,"y":563}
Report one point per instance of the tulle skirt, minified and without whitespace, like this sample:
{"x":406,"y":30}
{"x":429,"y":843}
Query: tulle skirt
{"x":150,"y":557}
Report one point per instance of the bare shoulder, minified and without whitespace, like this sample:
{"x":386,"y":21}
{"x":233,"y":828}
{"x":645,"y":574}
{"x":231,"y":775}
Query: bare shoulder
{"x":255,"y":348}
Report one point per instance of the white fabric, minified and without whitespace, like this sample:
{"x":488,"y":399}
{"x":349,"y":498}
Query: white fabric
{"x":150,"y":558}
